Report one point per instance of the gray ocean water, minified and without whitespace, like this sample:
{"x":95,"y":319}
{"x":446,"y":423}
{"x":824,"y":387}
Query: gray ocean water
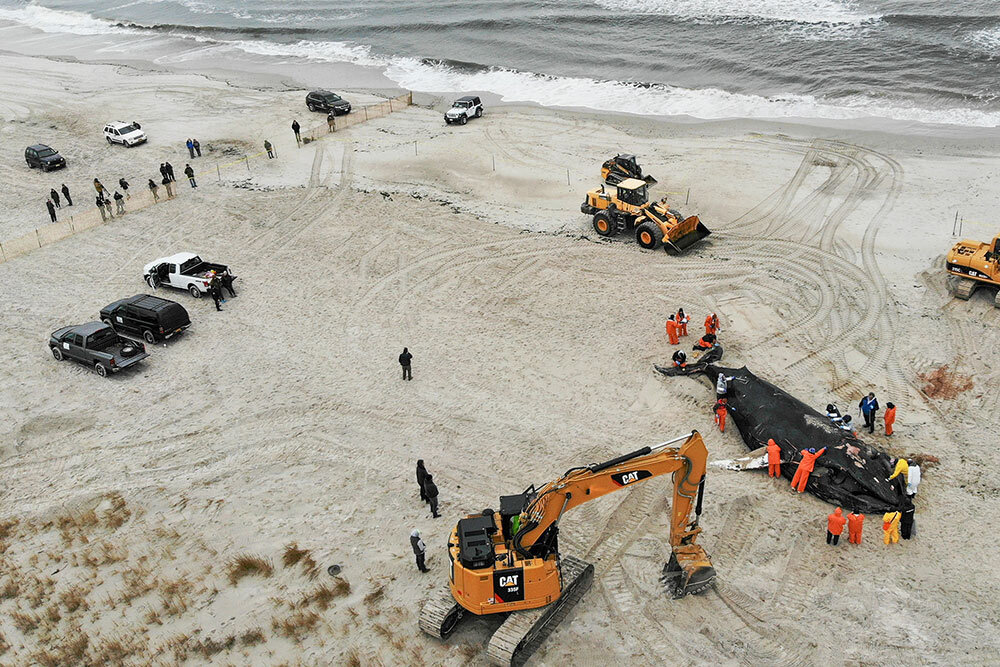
{"x":923,"y":60}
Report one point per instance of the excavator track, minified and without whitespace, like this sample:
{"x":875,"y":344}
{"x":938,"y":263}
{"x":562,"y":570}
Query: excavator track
{"x":524,"y":631}
{"x":440,"y":614}
{"x":965,"y":288}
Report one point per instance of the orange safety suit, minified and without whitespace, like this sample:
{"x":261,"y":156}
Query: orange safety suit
{"x":835,"y":525}
{"x":720,"y":415}
{"x":703,"y":344}
{"x":773,"y":459}
{"x":672,"y":332}
{"x":682,"y":323}
{"x":711,"y":323}
{"x":890,"y":526}
{"x":890,"y":419}
{"x":806,"y":466}
{"x":855,"y":522}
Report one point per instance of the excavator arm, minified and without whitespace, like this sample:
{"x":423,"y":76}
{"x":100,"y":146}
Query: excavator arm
{"x":539,"y":521}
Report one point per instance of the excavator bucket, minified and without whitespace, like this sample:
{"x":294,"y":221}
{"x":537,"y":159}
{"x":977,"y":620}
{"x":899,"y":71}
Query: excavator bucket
{"x":685,"y":234}
{"x":688,"y":572}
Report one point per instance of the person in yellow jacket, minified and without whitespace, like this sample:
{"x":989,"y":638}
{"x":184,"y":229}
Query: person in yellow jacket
{"x":890,"y":527}
{"x":902,"y":468}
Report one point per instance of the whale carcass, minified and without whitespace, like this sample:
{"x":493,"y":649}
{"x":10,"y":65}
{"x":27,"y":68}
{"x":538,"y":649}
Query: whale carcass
{"x":851,"y":473}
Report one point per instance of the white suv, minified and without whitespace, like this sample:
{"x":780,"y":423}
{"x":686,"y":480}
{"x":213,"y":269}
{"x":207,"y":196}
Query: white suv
{"x":463,"y":109}
{"x":126,"y":134}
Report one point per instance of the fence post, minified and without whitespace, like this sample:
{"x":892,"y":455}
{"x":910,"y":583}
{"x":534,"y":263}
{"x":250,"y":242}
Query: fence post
{"x":218,"y":171}
{"x":954,"y":225}
{"x":38,"y":239}
{"x":248,"y":163}
{"x":366,"y":112}
{"x":567,"y":178}
{"x":494,"y":162}
{"x":2,"y":253}
{"x":415,"y":148}
{"x":71,"y":225}
{"x":687,"y":197}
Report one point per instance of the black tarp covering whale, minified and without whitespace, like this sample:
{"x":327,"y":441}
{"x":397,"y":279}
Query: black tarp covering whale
{"x":851,"y":473}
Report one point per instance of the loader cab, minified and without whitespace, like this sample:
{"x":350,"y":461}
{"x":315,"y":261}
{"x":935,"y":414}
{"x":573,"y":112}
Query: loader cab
{"x":995,"y":254}
{"x":632,"y":191}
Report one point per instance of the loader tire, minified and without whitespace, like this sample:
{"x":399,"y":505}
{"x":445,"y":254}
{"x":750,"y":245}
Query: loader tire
{"x":604,"y":225}
{"x":649,"y":235}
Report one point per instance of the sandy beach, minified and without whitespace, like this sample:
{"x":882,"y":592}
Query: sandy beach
{"x":188,"y":511}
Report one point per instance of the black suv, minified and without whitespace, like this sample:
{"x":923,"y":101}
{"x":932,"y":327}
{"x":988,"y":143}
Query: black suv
{"x":151,"y":317}
{"x":324,"y":100}
{"x":42,"y":156}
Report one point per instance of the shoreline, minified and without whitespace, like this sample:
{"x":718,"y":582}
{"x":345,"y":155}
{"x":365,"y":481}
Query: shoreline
{"x":171,"y":53}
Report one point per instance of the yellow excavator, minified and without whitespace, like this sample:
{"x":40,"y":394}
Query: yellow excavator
{"x":508,"y":562}
{"x":975,"y":264}
{"x":627,"y":206}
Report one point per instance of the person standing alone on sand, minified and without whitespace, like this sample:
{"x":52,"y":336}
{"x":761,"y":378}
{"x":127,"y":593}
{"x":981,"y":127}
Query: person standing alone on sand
{"x":419,"y":548}
{"x":269,"y":148}
{"x":189,"y":172}
{"x":295,"y":128}
{"x":404,"y":360}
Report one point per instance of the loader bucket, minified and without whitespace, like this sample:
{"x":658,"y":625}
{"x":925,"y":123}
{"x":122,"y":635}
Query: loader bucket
{"x":686,"y":234}
{"x":650,"y":180}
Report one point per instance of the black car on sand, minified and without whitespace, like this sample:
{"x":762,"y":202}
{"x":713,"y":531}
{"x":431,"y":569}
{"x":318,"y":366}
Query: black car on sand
{"x":95,"y":344}
{"x":324,"y":100}
{"x":145,"y":315}
{"x":42,"y":157}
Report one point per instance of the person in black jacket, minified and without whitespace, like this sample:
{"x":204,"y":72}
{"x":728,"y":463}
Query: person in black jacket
{"x":123,"y":184}
{"x":421,"y":478}
{"x":295,"y":128}
{"x":430,"y":488}
{"x":227,"y":282}
{"x":215,"y":289}
{"x":170,"y":170}
{"x":189,"y":172}
{"x":54,"y":196}
{"x":52,"y":209}
{"x":404,"y":361}
{"x":65,"y":191}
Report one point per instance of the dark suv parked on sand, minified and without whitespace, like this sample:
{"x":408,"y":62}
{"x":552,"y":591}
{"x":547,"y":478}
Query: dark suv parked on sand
{"x":151,"y":317}
{"x":43,"y":157}
{"x":324,"y":100}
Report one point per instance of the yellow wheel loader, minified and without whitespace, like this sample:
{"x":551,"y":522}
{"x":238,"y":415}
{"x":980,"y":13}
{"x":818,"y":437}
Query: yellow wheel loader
{"x":626,"y":207}
{"x":975,"y":264}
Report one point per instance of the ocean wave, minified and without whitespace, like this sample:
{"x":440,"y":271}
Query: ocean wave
{"x":434,"y":76}
{"x":987,"y":39}
{"x":61,"y":21}
{"x":792,"y":11}
{"x":662,"y":100}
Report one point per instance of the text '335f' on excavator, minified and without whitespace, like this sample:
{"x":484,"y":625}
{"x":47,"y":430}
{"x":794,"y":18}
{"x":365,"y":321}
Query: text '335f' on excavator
{"x":508,"y":562}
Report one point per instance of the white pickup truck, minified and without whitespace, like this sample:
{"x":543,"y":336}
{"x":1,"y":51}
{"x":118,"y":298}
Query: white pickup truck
{"x":185,"y":271}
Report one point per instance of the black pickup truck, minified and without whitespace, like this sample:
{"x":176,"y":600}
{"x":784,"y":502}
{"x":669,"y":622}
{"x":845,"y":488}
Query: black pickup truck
{"x":95,"y":344}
